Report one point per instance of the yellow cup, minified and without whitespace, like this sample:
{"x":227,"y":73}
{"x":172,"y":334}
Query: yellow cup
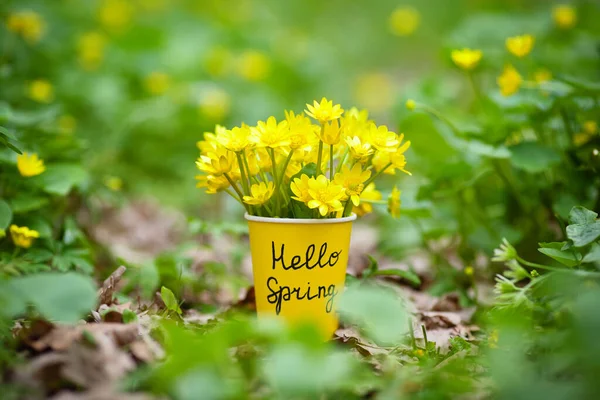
{"x":299,"y":267}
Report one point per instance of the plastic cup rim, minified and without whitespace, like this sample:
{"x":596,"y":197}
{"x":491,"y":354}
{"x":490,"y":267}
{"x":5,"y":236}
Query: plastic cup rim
{"x":299,"y":221}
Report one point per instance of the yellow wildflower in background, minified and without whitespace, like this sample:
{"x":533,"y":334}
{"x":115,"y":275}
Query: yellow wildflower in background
{"x":324,"y":111}
{"x":270,"y":134}
{"x":520,"y":46}
{"x":2,"y":233}
{"x":30,"y":165}
{"x":41,"y":91}
{"x":404,"y":21}
{"x":370,"y":193}
{"x":90,"y":49}
{"x":115,"y":15}
{"x":410,"y":104}
{"x":509,"y":81}
{"x":352,"y":180}
{"x":542,"y":75}
{"x":261,"y":193}
{"x":466,"y":59}
{"x":253,"y":65}
{"x":325,"y":195}
{"x":374,"y":91}
{"x":27,"y":24}
{"x":67,"y":124}
{"x":215,"y":103}
{"x":394,"y":203}
{"x":23,"y":236}
{"x":565,"y":16}
{"x":157,"y":83}
{"x":114,"y":183}
{"x":590,"y":127}
{"x":469,"y":271}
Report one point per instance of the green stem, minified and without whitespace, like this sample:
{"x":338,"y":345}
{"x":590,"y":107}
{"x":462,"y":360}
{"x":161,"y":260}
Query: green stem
{"x":476,"y":90}
{"x":373,"y":177}
{"x":331,"y":171}
{"x":342,"y":161}
{"x":276,"y":180}
{"x":237,"y":190}
{"x":320,"y":157}
{"x":554,"y":269}
{"x":566,"y":122}
{"x":282,"y":176}
{"x":347,"y":208}
{"x":509,"y":184}
{"x":244,"y":177}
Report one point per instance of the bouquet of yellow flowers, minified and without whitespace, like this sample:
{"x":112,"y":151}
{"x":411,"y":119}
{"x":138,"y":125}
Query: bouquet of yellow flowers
{"x":299,"y":169}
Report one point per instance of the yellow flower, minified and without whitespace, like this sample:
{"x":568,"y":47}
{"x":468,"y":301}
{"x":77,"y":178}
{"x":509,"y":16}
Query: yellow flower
{"x":217,"y":162}
{"x":394,"y":203}
{"x":581,"y":138}
{"x":565,"y":16}
{"x":30,"y":165}
{"x":215,"y":103}
{"x":23,"y":236}
{"x":590,"y":127}
{"x":366,"y":196}
{"x":331,"y":133}
{"x":209,"y":140}
{"x":41,"y":91}
{"x":520,"y":46}
{"x":302,"y":131}
{"x":2,"y":233}
{"x":410,"y":104}
{"x":157,"y":83}
{"x":114,"y":183}
{"x":236,"y":139}
{"x":358,"y":150}
{"x":542,"y":75}
{"x":253,"y":65}
{"x":509,"y":81}
{"x":352,"y":180}
{"x":115,"y":14}
{"x":404,"y":21}
{"x":300,"y":188}
{"x":466,"y":59}
{"x":271,"y":134}
{"x":67,"y":124}
{"x":469,"y":271}
{"x":382,"y":139}
{"x":90,"y":49}
{"x":261,"y":193}
{"x":213,"y":184}
{"x":325,"y":195}
{"x":381,"y":160}
{"x":324,"y":111}
{"x":28,"y":24}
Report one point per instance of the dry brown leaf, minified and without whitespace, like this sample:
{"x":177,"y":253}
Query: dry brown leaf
{"x":362,"y":345}
{"x":106,"y":292}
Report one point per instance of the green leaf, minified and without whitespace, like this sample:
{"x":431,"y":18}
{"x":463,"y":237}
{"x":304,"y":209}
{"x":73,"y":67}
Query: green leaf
{"x":59,"y":179}
{"x":377,"y":310}
{"x":26,"y":202}
{"x":410,"y":276}
{"x":484,"y":149}
{"x":372,"y":268}
{"x":583,"y":234}
{"x":169,"y":299}
{"x":5,"y":214}
{"x":581,"y":215}
{"x":533,"y":157}
{"x":593,"y":255}
{"x":58,"y":297}
{"x":568,"y":258}
{"x":129,"y":316}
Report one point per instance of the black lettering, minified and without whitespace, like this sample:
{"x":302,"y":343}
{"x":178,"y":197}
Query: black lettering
{"x":280,"y":258}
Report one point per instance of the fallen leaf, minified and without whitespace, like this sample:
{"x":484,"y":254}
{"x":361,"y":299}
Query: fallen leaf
{"x":107,"y":291}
